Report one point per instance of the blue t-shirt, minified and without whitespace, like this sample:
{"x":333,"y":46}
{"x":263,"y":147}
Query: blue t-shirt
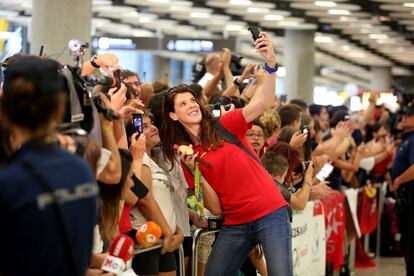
{"x":404,"y":157}
{"x":31,"y":240}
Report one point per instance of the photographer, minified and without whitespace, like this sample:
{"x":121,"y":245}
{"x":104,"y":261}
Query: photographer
{"x":217,"y":66}
{"x":48,"y":195}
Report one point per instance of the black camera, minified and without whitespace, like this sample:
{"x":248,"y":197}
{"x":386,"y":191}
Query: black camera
{"x":300,"y":169}
{"x":235,"y":65}
{"x":79,"y":136}
{"x":236,"y":68}
{"x":105,"y":81}
{"x":222,"y":100}
{"x":100,"y":107}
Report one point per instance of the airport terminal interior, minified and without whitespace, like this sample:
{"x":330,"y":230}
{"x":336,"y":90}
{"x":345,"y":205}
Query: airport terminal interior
{"x":215,"y":137}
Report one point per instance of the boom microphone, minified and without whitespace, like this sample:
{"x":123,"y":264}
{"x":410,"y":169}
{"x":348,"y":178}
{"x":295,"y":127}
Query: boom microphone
{"x":120,"y":252}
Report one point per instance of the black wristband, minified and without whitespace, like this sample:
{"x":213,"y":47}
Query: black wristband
{"x":93,"y":61}
{"x":139,"y":189}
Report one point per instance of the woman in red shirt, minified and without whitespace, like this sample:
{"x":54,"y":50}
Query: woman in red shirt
{"x":236,"y":185}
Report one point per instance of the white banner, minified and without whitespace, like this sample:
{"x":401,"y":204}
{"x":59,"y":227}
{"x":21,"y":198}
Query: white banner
{"x":318,"y":241}
{"x":301,"y":240}
{"x":308,"y":241}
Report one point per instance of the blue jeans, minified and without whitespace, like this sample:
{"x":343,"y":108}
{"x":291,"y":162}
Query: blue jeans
{"x":234,"y":242}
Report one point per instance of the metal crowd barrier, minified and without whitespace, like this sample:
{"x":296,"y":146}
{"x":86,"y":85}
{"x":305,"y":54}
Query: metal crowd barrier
{"x":181,"y":263}
{"x":197,"y":234}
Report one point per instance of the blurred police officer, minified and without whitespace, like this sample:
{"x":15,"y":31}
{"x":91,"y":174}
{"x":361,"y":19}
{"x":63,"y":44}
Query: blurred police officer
{"x":402,"y":174}
{"x":47,"y":195}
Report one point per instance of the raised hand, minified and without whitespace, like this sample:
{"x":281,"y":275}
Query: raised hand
{"x":118,"y":98}
{"x":298,"y":139}
{"x":138,"y":146}
{"x":264,"y":46}
{"x":247,"y":72}
{"x":226,"y":57}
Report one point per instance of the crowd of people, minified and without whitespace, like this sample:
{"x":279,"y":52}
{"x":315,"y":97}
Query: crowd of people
{"x":67,"y":190}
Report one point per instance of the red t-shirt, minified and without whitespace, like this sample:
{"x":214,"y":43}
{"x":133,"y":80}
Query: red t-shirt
{"x":124,"y":221}
{"x":381,"y":167}
{"x":246,"y":191}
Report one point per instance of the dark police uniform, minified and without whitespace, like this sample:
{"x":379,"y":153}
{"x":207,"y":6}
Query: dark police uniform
{"x":404,"y":206}
{"x":31,"y":238}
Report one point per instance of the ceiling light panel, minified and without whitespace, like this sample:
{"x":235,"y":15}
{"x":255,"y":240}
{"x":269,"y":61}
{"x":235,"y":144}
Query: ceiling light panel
{"x":311,"y":6}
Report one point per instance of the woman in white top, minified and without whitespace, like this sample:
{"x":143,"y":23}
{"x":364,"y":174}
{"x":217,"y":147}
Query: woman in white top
{"x":157,"y":181}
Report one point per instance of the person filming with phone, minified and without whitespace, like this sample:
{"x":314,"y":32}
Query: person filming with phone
{"x":253,"y":208}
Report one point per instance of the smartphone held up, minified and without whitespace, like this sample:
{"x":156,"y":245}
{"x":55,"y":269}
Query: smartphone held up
{"x":137,"y":123}
{"x":255,"y":32}
{"x":325,"y":171}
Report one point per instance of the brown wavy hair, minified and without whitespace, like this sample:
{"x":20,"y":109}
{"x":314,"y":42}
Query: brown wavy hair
{"x":173,"y":132}
{"x":291,"y":154}
{"x":109,"y":199}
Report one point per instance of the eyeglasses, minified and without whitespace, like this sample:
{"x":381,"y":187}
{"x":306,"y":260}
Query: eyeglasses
{"x":137,"y":83}
{"x":254,"y":134}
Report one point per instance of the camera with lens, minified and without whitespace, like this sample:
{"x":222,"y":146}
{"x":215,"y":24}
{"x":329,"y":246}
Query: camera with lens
{"x":79,"y":136}
{"x":236,"y":67}
{"x":104,"y":84}
{"x":221,"y":101}
{"x":301,"y":169}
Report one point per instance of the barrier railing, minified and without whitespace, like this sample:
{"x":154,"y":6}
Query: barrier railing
{"x":197,"y":234}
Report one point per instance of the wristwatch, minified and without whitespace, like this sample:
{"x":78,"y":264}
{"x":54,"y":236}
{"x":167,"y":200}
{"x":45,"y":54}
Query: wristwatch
{"x":93,"y":61}
{"x":271,"y":70}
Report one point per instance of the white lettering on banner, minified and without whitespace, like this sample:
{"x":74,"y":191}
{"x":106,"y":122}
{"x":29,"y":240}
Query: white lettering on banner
{"x":65,"y":195}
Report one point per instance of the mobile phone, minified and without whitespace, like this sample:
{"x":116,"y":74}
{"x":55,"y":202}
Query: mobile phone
{"x":42,"y":50}
{"x":254,"y":31}
{"x":137,"y":123}
{"x":325,"y":171}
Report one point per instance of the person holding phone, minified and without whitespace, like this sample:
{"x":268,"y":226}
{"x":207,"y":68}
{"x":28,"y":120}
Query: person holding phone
{"x":253,"y":208}
{"x":157,"y":181}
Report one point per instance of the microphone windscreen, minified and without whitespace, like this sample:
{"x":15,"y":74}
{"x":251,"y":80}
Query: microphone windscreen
{"x":122,"y":247}
{"x":114,"y":265}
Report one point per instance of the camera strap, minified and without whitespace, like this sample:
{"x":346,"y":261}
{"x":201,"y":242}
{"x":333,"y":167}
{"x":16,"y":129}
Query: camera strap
{"x":59,"y":214}
{"x":75,"y":107}
{"x":232,"y":139}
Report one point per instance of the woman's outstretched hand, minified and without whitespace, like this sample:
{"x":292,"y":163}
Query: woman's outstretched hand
{"x":264,"y":46}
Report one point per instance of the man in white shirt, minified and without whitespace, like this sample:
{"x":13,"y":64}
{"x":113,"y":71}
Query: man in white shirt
{"x":217,"y":65}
